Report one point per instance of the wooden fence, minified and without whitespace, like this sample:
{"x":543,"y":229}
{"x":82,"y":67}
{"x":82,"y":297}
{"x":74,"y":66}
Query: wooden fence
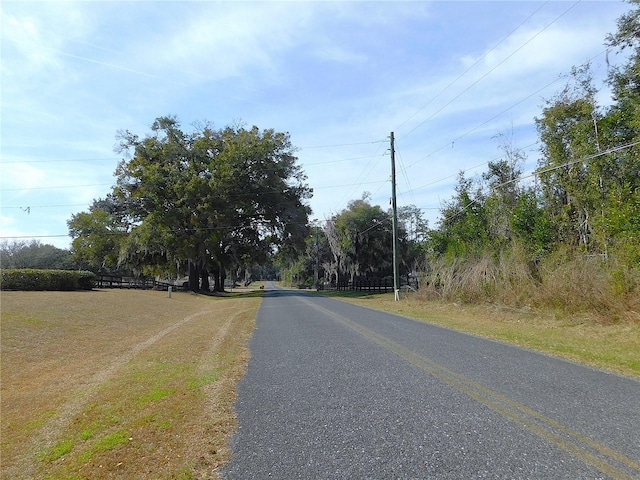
{"x":143,"y":283}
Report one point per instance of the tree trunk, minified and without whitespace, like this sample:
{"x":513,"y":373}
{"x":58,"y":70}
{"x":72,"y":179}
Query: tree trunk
{"x":220,"y":276}
{"x":194,"y":276}
{"x":205,"y":279}
{"x":215,"y":273}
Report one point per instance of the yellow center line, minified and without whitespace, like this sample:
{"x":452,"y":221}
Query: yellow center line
{"x":540,"y":424}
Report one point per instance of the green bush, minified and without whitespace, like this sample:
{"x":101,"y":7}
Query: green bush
{"x":34,"y":279}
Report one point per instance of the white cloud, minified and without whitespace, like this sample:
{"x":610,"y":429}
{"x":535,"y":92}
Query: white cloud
{"x":210,"y":42}
{"x":338,"y":54}
{"x":22,"y":176}
{"x":39,"y":31}
{"x":549,"y":52}
{"x":24,"y":36}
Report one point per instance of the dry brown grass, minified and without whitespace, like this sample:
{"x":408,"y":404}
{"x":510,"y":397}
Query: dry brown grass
{"x":118,"y":383}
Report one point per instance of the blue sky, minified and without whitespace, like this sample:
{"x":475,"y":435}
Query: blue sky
{"x":449,"y":78}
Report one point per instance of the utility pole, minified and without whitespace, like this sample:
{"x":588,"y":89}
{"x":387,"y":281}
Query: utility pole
{"x":394,"y":208}
{"x":317,"y":269}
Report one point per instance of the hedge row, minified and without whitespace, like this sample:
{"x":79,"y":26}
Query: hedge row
{"x":33,"y":279}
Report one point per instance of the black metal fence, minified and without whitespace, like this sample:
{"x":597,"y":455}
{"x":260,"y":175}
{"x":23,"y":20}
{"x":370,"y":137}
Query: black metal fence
{"x":369,"y":285}
{"x":374,"y":285}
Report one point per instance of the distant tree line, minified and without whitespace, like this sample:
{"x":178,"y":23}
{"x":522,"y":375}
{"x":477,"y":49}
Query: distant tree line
{"x":34,"y":254}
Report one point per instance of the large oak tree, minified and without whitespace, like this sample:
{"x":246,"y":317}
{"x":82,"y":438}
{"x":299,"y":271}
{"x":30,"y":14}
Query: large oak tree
{"x":208,"y":200}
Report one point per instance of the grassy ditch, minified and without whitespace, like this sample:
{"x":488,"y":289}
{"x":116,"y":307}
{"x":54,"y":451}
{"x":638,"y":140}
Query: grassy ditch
{"x":120,"y":383}
{"x":613,"y":346}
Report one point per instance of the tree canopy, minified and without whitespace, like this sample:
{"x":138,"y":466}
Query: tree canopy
{"x":360,"y":239}
{"x":207,"y":201}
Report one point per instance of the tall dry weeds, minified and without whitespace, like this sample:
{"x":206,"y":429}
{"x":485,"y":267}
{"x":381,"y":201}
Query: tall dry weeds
{"x":568,"y":282}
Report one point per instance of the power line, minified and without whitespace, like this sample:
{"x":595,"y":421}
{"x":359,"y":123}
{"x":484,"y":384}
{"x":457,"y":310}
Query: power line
{"x":43,"y":206}
{"x":60,"y":160}
{"x":473,"y":65}
{"x":16,"y":237}
{"x":584,"y":159}
{"x":480,"y":79}
{"x":352,"y":184}
{"x":231,"y":195}
{"x":55,"y":187}
{"x":65,"y":160}
{"x":535,"y":173}
{"x":492,"y":70}
{"x":338,"y":161}
{"x":265,"y":222}
{"x":404,"y":173}
{"x":260,"y":168}
{"x":453,"y":141}
{"x":469,"y":168}
{"x":252,"y":224}
{"x":364,"y":173}
{"x":342,"y":145}
{"x":382,"y":184}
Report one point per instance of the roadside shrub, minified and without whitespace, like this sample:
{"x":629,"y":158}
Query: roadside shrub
{"x":34,"y":279}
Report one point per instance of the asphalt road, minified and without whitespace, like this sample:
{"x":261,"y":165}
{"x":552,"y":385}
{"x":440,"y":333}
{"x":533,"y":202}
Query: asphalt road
{"x":336,"y":391}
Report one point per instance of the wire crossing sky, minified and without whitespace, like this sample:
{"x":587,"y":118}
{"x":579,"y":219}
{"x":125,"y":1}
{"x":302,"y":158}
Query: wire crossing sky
{"x":449,"y":78}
